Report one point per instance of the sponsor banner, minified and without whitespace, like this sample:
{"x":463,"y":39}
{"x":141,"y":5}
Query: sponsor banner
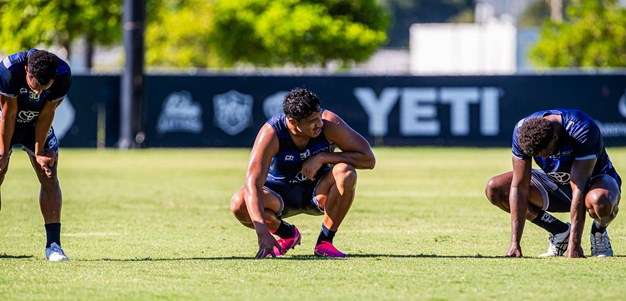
{"x":228,"y":110}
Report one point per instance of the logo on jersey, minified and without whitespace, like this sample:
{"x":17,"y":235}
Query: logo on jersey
{"x":547,"y":218}
{"x":53,"y":144}
{"x":560,"y":177}
{"x":233,"y":111}
{"x":299,"y":178}
{"x":180,"y":114}
{"x":33,"y":97}
{"x":26,"y":116}
{"x":305,"y":155}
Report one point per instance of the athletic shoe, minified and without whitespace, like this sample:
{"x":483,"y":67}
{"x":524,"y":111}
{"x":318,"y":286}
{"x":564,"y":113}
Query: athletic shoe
{"x":557,"y":244}
{"x":326,"y":249}
{"x":55,"y":253}
{"x":287,"y":243}
{"x":601,"y":245}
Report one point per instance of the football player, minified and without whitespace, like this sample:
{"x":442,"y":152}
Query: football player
{"x":575,"y":175}
{"x":32,"y":85}
{"x":293,"y":169}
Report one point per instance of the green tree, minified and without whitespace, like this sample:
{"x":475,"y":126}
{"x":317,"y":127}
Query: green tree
{"x":27,"y":23}
{"x":178,"y":35}
{"x":593,"y":35}
{"x":301,"y":32}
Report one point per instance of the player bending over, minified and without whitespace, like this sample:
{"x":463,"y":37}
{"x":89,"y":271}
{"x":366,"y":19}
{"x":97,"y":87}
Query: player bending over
{"x":575,"y":175}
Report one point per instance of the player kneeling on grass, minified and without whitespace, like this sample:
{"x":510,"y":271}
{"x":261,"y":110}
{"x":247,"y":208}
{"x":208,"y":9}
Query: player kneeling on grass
{"x":293,"y":170}
{"x":32,"y":85}
{"x":576,"y":175}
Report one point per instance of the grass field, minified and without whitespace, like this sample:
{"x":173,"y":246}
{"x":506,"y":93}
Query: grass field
{"x":155,"y":225}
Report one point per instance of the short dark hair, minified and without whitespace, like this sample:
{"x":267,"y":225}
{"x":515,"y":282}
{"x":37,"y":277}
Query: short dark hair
{"x":300,"y":103}
{"x":42,"y":65}
{"x":534,"y":135}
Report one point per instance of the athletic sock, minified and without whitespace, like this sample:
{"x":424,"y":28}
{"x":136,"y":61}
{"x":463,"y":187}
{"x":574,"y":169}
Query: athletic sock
{"x":53,"y":234}
{"x":597,"y":229}
{"x":285,"y":230}
{"x":325,"y":235}
{"x":550,"y":223}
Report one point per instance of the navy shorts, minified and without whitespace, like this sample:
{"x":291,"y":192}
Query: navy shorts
{"x":25,"y":137}
{"x":296,"y":198}
{"x":556,"y":197}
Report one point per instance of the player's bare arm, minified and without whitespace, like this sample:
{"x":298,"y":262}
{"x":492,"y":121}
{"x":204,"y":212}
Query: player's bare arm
{"x":7,"y":127}
{"x":265,"y":147}
{"x":518,"y":202}
{"x":580,"y":174}
{"x":355,"y":150}
{"x":44,"y":121}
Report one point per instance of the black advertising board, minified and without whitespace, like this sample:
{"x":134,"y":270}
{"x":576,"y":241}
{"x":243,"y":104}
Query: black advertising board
{"x":228,"y":110}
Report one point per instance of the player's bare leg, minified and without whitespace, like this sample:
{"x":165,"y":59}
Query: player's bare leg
{"x":289,"y":234}
{"x":50,"y":202}
{"x":335,"y":194}
{"x":602,"y":202}
{"x":270,"y":202}
{"x":497,"y":192}
{"x":2,"y":174}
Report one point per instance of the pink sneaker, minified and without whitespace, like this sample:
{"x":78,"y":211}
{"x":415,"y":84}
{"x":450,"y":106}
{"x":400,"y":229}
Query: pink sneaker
{"x":288,"y":243}
{"x":326,"y":249}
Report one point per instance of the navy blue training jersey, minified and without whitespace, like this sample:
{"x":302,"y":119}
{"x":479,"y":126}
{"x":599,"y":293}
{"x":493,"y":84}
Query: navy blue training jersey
{"x":582,"y":141}
{"x":287,"y":163}
{"x":13,"y":84}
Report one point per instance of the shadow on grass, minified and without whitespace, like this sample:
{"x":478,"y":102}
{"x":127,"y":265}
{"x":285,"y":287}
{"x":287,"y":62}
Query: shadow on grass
{"x":6,"y":256}
{"x":308,"y":257}
{"x":287,"y":257}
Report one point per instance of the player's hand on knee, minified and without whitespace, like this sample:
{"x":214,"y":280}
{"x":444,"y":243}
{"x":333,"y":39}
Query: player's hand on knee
{"x":311,"y":166}
{"x":46,"y":161}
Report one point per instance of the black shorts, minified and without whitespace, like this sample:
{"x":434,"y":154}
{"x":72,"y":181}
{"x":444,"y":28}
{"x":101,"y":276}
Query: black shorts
{"x":296,"y":198}
{"x":556,"y":197}
{"x":25,"y":137}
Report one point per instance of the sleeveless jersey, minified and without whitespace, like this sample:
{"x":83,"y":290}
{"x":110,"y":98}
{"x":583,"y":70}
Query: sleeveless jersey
{"x":13,"y":84}
{"x":287,"y":163}
{"x":582,"y":140}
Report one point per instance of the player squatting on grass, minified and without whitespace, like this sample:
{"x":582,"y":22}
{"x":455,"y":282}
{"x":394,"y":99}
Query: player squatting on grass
{"x":576,"y":175}
{"x":293,"y":169}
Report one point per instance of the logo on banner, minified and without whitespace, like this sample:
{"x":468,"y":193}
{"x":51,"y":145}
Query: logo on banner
{"x":233,"y":111}
{"x":180,"y":114}
{"x":418,"y":109}
{"x":64,"y":117}
{"x":273,"y":104}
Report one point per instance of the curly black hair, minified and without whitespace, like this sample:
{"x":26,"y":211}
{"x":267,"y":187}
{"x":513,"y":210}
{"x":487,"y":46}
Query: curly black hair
{"x":534,"y":135}
{"x":300,"y":103}
{"x":42,"y":65}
